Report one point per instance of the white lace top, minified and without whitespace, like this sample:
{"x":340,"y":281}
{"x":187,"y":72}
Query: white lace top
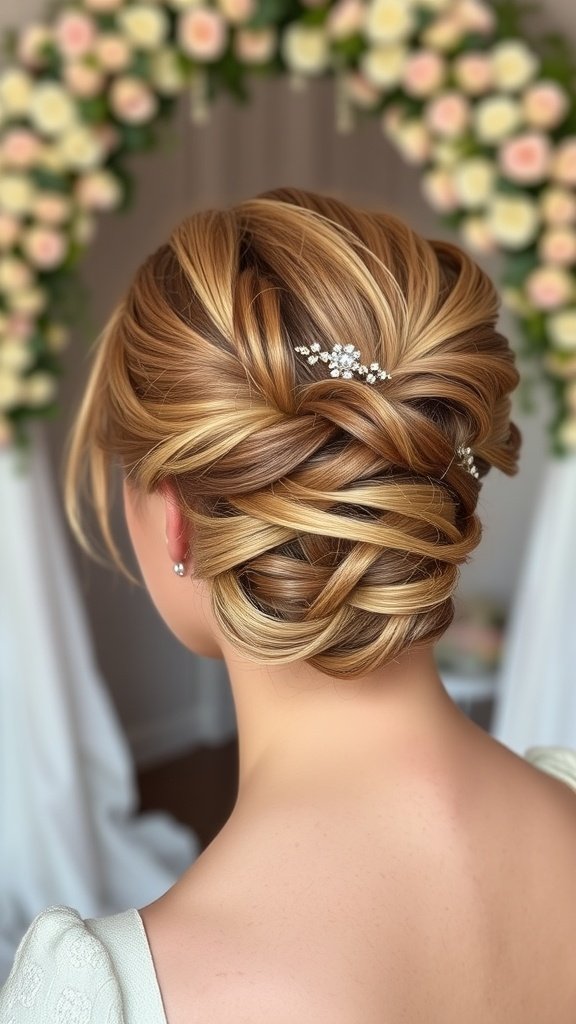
{"x":70,"y":970}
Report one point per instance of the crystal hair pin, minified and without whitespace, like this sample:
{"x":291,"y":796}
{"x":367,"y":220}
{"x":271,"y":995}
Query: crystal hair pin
{"x":467,"y":460}
{"x":343,"y":361}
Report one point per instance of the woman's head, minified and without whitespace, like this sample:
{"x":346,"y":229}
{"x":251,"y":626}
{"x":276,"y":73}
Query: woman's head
{"x":324,"y":517}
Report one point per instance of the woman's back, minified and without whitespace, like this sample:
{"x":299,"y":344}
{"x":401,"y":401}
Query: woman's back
{"x":445,"y":893}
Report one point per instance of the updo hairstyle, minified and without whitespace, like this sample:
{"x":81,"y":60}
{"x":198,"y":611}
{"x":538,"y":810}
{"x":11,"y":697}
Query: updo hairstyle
{"x":329,"y":516}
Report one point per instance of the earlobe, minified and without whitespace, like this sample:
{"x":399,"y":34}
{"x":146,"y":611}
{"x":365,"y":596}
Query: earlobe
{"x":177,"y":543}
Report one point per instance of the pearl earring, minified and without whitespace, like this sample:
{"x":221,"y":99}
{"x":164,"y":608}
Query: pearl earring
{"x":179,"y":569}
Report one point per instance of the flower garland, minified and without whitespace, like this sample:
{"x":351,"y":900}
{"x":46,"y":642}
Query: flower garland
{"x":489,"y":120}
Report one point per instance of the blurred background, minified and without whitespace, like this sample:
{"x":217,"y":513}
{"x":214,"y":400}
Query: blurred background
{"x":173,"y":710}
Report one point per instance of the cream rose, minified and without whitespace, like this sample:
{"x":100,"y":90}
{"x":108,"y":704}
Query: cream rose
{"x":99,"y":190}
{"x":132,"y":101}
{"x":473,"y":73}
{"x":30,"y":300}
{"x":564,"y":163}
{"x":448,"y":114}
{"x":15,"y":355}
{"x":413,"y":141}
{"x":202,"y":33}
{"x":444,"y":34}
{"x":52,"y":110}
{"x":383,"y":65}
{"x":562,"y":329}
{"x":74,"y":33}
{"x":545,"y":104}
{"x":16,"y":90}
{"x":496,"y":117}
{"x":439,"y":189}
{"x":10,"y":389}
{"x":567,"y":433}
{"x":16,"y":193}
{"x":19,"y":148}
{"x":557,"y":205}
{"x":526,"y":158}
{"x":389,"y":21}
{"x":45,"y":247}
{"x":31,"y":43}
{"x":514,"y":64}
{"x":558,"y":245}
{"x":15,"y":274}
{"x":113,"y":52}
{"x":475,"y":16}
{"x":255,"y":45}
{"x":39,"y":388}
{"x":166,"y":72}
{"x":237,"y":11}
{"x":144,"y":26}
{"x":57,"y":337}
{"x":549,"y":287}
{"x":345,"y":18}
{"x":81,"y":148}
{"x":513,"y":220}
{"x":305,"y":48}
{"x":424,"y":73}
{"x":474,"y":180}
{"x":84,"y":228}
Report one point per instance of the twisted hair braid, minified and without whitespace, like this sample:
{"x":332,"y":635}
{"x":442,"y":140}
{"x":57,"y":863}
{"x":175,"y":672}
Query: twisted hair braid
{"x":329,"y":516}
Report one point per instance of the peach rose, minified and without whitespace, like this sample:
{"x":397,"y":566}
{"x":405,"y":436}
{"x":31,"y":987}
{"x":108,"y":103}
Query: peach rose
{"x":549,"y":287}
{"x":74,"y":34}
{"x":448,"y":114}
{"x":83,"y":80}
{"x":51,"y":208}
{"x":360,"y":91}
{"x":98,"y":190}
{"x":345,"y":18}
{"x":473,"y":73}
{"x":19,"y":148}
{"x":439,"y":189}
{"x":20,"y":326}
{"x":6,"y":431}
{"x":45,"y":247}
{"x":31,"y":43}
{"x":545,"y":104}
{"x":113,"y":52}
{"x":237,"y":11}
{"x":15,"y":274}
{"x":526,"y":158}
{"x":413,"y":141}
{"x":564,"y":165}
{"x":475,"y":16}
{"x":424,"y":72}
{"x":558,"y":245}
{"x":255,"y":45}
{"x":132,"y":101}
{"x":9,"y":230}
{"x":558,"y":205}
{"x":29,"y":300}
{"x":202,"y":33}
{"x":477,"y":234}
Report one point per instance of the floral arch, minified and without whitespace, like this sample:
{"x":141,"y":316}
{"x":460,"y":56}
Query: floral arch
{"x":489,"y":119}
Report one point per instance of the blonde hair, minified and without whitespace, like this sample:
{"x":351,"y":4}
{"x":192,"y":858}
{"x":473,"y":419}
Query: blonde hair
{"x":329,"y":515}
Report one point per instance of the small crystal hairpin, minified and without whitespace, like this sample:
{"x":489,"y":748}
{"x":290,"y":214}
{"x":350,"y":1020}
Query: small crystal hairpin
{"x":467,"y":460}
{"x":343,"y":361}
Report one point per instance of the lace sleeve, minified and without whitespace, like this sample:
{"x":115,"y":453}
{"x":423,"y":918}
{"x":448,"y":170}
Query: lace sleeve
{"x":62,"y":974}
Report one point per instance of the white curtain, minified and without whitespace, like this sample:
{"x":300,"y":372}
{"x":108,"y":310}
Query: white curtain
{"x":537,"y":692}
{"x":68,"y":829}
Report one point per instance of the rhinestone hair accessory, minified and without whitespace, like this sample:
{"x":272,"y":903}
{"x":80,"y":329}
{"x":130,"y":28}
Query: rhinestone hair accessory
{"x":467,"y":460}
{"x":343,"y":361}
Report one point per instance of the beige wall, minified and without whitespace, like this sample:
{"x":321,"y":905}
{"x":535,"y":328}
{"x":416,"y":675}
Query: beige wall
{"x":282,"y":138}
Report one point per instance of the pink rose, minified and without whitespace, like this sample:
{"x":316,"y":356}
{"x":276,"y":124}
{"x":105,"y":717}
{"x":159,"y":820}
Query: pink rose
{"x":112,"y":52}
{"x":83,"y":80}
{"x":439,"y":189}
{"x":448,"y":114}
{"x":202,"y":33}
{"x":74,"y":33}
{"x":564,"y":166}
{"x":545,"y":104}
{"x":20,"y":326}
{"x":9,"y":230}
{"x":255,"y":45}
{"x":345,"y":18}
{"x":45,"y":247}
{"x":526,"y":158}
{"x":558,"y":205}
{"x":549,"y":287}
{"x":424,"y":73}
{"x":20,"y":147}
{"x":473,"y":73}
{"x":132,"y":101}
{"x":237,"y":11}
{"x":558,"y":245}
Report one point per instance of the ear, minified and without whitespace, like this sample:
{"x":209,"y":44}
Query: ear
{"x":177,"y":540}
